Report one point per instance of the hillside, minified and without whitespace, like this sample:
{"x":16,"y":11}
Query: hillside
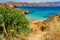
{"x":48,"y":29}
{"x":19,"y":28}
{"x":34,"y":4}
{"x":12,"y":23}
{"x":54,"y":27}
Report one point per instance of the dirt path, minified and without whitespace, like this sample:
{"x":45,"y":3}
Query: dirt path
{"x":36,"y":33}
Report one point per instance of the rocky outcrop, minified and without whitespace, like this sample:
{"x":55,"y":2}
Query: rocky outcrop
{"x":11,"y":6}
{"x":25,"y":12}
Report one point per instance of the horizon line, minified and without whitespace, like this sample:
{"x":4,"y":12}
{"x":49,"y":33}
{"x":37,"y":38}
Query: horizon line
{"x":26,"y":2}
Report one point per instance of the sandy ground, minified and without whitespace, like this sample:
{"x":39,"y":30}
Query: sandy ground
{"x":38,"y":36}
{"x":36,"y":33}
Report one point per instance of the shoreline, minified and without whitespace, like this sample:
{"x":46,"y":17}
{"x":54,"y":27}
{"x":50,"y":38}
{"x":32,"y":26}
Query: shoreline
{"x":37,"y":20}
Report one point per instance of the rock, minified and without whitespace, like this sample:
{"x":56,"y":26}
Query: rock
{"x":25,"y":12}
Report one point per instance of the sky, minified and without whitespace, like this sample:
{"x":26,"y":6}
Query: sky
{"x":30,"y":0}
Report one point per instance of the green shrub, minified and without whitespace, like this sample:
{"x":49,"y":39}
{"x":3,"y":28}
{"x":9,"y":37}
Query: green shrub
{"x":11,"y":19}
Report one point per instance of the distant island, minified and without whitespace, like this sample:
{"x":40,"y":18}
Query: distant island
{"x":33,"y":4}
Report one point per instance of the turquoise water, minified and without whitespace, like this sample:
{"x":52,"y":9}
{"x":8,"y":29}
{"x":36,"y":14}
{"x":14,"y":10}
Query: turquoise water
{"x":40,"y":13}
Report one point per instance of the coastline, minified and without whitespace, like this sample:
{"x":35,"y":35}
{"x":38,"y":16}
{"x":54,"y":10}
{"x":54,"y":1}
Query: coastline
{"x":41,"y":20}
{"x":41,"y":28}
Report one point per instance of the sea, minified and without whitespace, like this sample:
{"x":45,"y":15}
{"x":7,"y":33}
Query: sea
{"x":41,"y":12}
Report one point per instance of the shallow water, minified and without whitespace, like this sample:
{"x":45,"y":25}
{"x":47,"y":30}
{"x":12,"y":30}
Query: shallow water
{"x":40,"y":13}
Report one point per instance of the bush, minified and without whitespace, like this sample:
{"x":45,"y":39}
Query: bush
{"x":13,"y":20}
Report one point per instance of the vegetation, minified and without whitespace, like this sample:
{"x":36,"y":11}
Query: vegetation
{"x":12,"y":22}
{"x":14,"y":26}
{"x":54,"y":27}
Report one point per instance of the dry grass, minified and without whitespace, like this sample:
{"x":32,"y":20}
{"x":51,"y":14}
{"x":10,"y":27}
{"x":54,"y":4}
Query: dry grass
{"x":54,"y":28}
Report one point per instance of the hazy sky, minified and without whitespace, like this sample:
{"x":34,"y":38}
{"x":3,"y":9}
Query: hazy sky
{"x":30,"y":0}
